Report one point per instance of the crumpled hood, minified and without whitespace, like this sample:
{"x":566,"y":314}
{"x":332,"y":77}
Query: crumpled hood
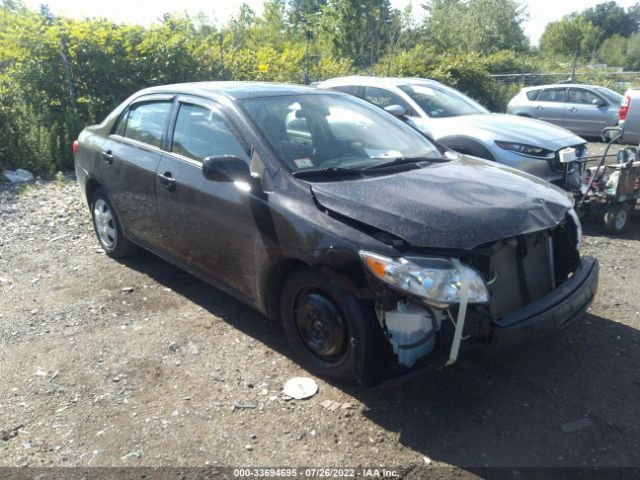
{"x":498,"y":126}
{"x":459,"y":204}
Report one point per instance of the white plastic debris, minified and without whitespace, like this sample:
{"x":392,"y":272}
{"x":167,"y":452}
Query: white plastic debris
{"x":300,"y":388}
{"x":19,"y":176}
{"x":330,"y":405}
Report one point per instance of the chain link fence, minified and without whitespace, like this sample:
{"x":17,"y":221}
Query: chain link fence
{"x":619,"y":81}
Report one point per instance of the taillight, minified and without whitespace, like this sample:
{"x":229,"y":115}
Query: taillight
{"x":75,"y":147}
{"x":624,"y":107}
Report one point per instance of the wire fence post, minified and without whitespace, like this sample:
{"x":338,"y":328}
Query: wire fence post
{"x":221,"y":41}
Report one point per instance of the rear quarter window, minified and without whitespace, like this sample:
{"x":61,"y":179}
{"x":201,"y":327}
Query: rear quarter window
{"x":350,"y":89}
{"x":533,"y":94}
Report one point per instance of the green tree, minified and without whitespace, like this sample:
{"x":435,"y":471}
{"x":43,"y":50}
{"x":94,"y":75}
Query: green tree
{"x":300,"y":11}
{"x":569,"y":36}
{"x":611,"y":19}
{"x":613,"y":51}
{"x":480,"y":26}
{"x":241,"y":26}
{"x":633,"y":51}
{"x":359,"y":29}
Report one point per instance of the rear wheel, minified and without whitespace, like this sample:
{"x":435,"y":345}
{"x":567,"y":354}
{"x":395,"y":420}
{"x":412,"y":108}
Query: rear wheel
{"x":107,"y":226}
{"x":331,"y":331}
{"x":616,"y":218}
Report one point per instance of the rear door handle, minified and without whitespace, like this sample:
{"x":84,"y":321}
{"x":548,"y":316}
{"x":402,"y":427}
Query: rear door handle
{"x":539,"y":107}
{"x":573,"y":109}
{"x":107,"y":156}
{"x":167,"y":181}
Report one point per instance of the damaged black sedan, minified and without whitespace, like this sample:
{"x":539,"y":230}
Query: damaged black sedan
{"x":383,"y":253}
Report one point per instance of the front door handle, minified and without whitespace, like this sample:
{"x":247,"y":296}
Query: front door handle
{"x":573,"y":109}
{"x":167,"y":181}
{"x":539,"y":107}
{"x":107,"y":156}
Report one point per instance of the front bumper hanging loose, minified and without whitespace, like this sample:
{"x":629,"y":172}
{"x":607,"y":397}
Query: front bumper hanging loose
{"x":552,"y":312}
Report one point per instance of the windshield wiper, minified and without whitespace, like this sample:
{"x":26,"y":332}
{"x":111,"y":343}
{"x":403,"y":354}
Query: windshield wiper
{"x":328,"y":171}
{"x":404,"y":161}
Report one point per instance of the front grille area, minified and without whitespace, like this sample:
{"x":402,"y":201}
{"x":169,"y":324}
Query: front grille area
{"x":521,"y":271}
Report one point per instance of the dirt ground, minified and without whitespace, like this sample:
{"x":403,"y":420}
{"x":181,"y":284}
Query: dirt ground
{"x":136,"y":363}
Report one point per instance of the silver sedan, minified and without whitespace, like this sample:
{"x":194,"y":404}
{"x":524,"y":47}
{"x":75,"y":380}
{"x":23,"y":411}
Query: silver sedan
{"x":458,"y":122}
{"x":583,"y":109}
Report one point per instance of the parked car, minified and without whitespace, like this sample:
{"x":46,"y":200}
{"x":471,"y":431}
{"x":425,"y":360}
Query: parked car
{"x":584,"y":109}
{"x":630,"y":116}
{"x":460,"y":123}
{"x":365,"y":240}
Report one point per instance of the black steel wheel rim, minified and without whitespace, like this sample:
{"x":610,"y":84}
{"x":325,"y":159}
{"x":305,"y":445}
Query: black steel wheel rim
{"x":320,"y":325}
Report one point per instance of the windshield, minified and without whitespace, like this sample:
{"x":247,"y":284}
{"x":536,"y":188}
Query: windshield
{"x":613,"y":97}
{"x":439,"y":102}
{"x":315,"y":132}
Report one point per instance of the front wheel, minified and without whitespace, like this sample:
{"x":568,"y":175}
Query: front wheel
{"x":616,"y":218}
{"x":332,"y":332}
{"x":107,"y":226}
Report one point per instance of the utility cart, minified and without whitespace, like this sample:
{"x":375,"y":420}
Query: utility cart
{"x":612,"y":190}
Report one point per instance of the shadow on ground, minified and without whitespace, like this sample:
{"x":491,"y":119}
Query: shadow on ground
{"x":490,"y":409}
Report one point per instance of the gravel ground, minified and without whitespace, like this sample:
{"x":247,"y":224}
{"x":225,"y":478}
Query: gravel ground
{"x":136,"y":363}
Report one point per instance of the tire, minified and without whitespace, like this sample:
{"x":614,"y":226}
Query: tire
{"x":333,"y":334}
{"x":616,"y":218}
{"x":107,"y":226}
{"x":583,"y":211}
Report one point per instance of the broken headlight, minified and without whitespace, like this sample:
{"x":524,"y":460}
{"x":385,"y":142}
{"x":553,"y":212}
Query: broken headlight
{"x":436,"y":280}
{"x":528,"y":150}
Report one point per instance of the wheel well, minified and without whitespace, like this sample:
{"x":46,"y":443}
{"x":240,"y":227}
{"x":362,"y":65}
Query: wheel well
{"x":274,"y":282}
{"x":92,"y":186}
{"x":467,"y":146}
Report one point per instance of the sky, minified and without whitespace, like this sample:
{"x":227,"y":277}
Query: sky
{"x":145,"y":12}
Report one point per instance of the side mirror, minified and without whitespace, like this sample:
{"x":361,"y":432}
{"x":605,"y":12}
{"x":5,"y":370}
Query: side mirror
{"x":598,"y":102}
{"x":396,"y":110}
{"x":226,"y":168}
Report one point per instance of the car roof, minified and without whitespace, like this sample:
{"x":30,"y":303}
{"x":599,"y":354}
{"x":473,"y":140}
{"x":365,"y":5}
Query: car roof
{"x":376,"y":81}
{"x":561,"y":85}
{"x":233,"y":89}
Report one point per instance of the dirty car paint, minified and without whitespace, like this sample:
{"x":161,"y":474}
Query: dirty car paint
{"x":460,"y":204}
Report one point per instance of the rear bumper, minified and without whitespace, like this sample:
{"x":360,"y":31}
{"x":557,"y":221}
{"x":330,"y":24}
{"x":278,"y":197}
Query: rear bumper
{"x":81,"y":177}
{"x":551,"y":313}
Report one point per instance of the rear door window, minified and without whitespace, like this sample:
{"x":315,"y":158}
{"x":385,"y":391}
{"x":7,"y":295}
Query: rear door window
{"x":201,"y":132}
{"x":146,"y":122}
{"x":551,"y":95}
{"x":384,"y":98}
